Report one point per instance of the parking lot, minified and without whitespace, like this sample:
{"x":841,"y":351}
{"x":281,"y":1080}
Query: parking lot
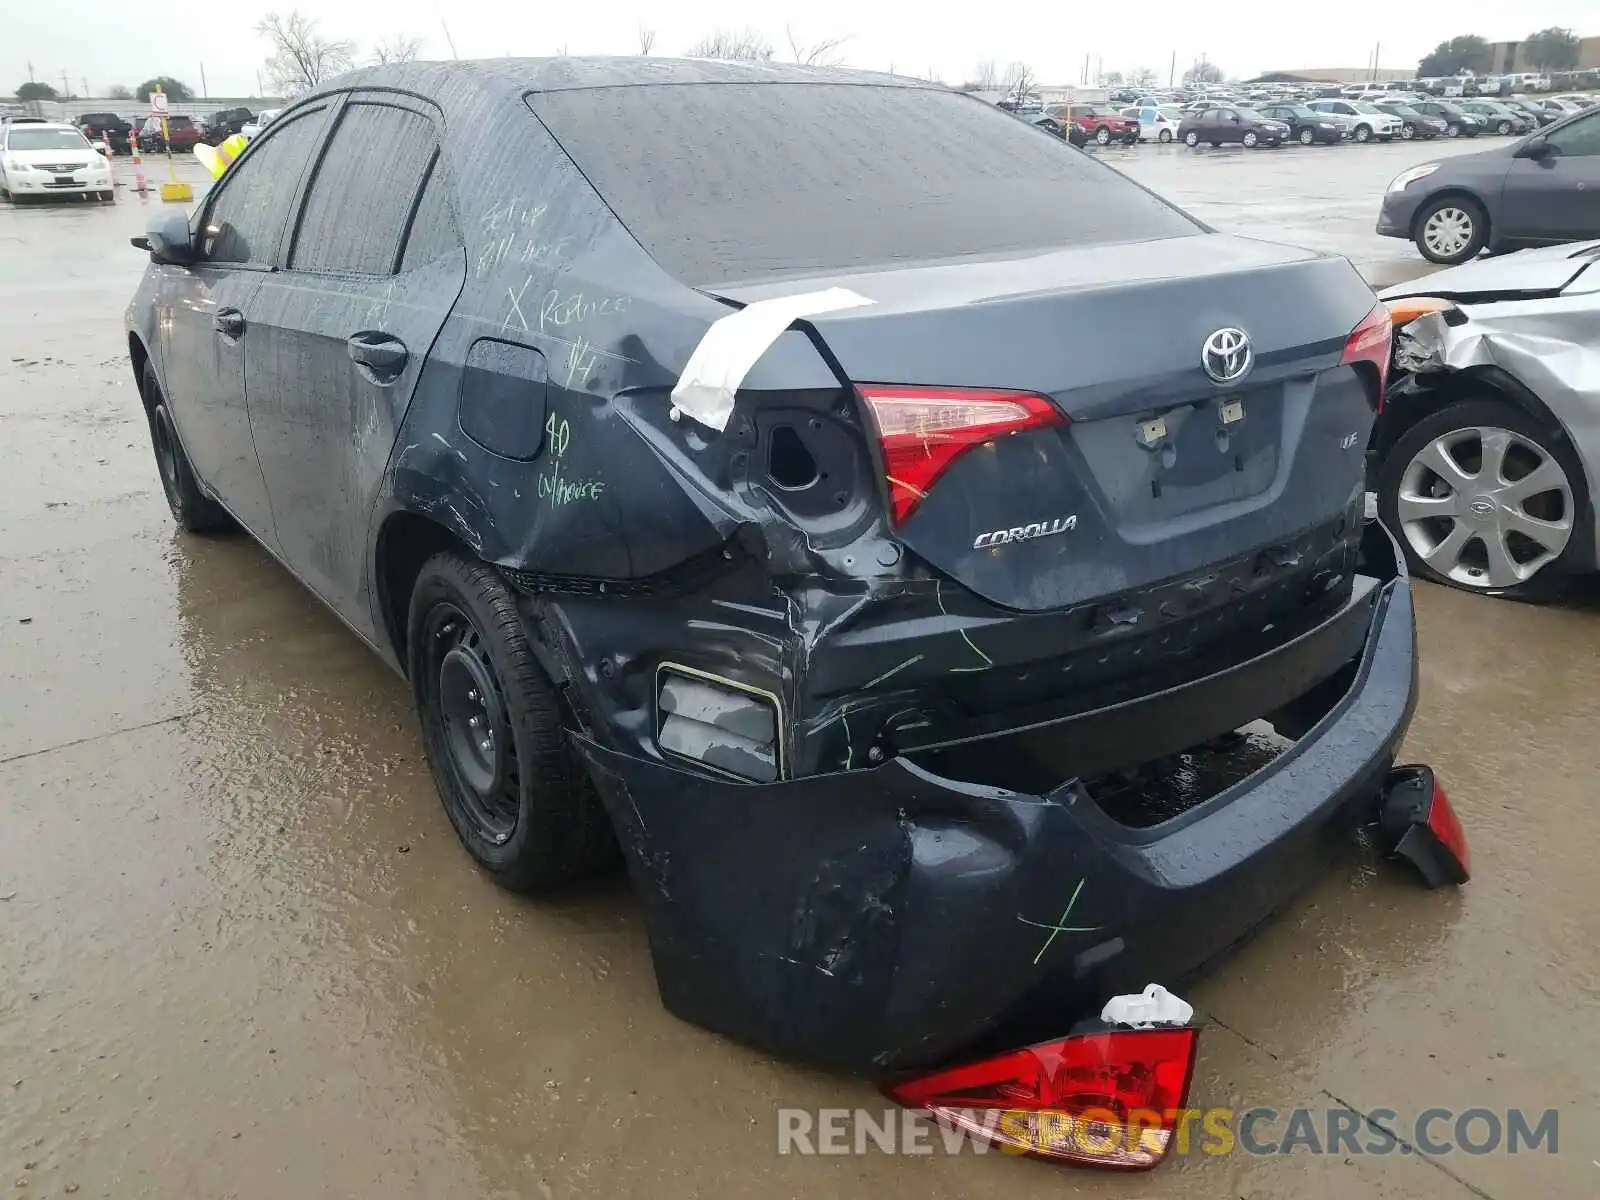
{"x":243,"y":954}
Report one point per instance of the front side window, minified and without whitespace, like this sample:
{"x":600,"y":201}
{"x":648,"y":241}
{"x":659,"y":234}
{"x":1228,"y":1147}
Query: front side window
{"x":363,"y":192}
{"x":1579,"y":139}
{"x":243,"y":222}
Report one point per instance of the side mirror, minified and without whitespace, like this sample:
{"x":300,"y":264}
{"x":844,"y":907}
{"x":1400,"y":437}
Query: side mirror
{"x":168,"y":239}
{"x":1536,"y":148}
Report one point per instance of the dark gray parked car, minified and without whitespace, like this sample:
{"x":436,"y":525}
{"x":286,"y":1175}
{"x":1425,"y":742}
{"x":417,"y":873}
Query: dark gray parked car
{"x":765,"y":471}
{"x":1541,"y":189}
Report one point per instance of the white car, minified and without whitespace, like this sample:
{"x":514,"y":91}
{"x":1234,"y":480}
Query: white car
{"x":1366,"y":120}
{"x":263,"y":118}
{"x":1158,"y":122}
{"x":51,"y":159}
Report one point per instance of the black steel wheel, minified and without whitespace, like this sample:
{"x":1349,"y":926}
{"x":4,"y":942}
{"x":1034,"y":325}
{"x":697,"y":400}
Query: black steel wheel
{"x":192,"y":509}
{"x":495,"y":732}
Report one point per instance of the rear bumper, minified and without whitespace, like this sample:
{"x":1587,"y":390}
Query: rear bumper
{"x":887,"y":918}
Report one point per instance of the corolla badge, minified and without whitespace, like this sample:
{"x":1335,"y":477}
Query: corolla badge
{"x":1227,"y":356}
{"x":1024,"y":533}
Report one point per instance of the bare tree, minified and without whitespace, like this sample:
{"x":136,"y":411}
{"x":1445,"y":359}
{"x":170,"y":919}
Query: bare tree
{"x":647,"y":40}
{"x":816,"y":54}
{"x":748,"y":45}
{"x":119,"y":91}
{"x":396,"y":49}
{"x":1019,"y":83}
{"x":301,"y":57}
{"x":988,"y":76}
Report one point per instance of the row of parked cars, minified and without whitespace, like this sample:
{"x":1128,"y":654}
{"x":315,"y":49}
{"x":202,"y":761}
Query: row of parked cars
{"x":1327,"y":120}
{"x":184,"y":133}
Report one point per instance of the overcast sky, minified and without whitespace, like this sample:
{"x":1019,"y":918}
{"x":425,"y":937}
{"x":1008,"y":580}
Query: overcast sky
{"x":114,"y":41}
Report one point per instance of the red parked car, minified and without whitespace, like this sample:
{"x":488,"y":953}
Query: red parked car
{"x":185,"y":132}
{"x":1100,"y":121}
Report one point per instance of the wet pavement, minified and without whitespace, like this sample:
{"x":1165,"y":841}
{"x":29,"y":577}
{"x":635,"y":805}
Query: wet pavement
{"x":242,"y":955}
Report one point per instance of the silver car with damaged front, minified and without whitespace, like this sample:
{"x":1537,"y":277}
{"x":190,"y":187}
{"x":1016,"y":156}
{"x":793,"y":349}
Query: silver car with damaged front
{"x":1485,"y":456}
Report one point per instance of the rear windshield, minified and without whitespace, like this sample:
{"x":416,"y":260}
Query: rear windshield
{"x":724,"y":182}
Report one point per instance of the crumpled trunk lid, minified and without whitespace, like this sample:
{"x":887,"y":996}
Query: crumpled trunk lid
{"x":1160,"y":470}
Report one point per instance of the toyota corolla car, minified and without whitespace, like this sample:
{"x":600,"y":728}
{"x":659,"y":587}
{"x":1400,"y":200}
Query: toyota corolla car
{"x":942,"y":655}
{"x":40,"y":158}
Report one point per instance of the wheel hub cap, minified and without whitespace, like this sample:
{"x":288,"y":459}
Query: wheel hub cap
{"x":1485,"y":507}
{"x":1448,"y":231}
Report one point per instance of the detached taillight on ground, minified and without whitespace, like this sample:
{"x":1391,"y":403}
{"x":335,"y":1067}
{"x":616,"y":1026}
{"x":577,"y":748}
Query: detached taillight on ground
{"x":1369,"y":342}
{"x":1420,"y":825}
{"x":1110,"y":1099}
{"x":923,"y":430}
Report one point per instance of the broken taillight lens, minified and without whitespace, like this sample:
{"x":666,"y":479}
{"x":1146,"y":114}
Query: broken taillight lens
{"x":1370,"y":342}
{"x":1109,"y":1099}
{"x":1421,"y":826}
{"x":924,"y":430}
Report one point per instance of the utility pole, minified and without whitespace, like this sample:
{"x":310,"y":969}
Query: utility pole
{"x":1376,"y":51}
{"x":85,"y":82}
{"x":204,"y":91}
{"x":1172,"y":71}
{"x":30,"y":73}
{"x":66,"y":88}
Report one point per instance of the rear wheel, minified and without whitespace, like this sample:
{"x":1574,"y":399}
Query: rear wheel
{"x":192,"y":509}
{"x":1164,"y":136}
{"x":1483,"y":497}
{"x":495,"y":735}
{"x":1503,"y":128}
{"x":1250,"y":140}
{"x":1307,"y":137}
{"x":1451,"y":230}
{"x":1102,"y":135}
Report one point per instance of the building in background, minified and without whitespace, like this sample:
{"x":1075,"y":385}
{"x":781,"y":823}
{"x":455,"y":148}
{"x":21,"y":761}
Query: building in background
{"x":1508,"y":57}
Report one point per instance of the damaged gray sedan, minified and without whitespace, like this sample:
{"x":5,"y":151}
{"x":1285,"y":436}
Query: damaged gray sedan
{"x":796,"y":518}
{"x":1484,"y":459}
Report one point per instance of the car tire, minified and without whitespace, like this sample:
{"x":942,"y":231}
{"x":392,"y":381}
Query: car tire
{"x":1407,"y":131}
{"x":1452,"y":130}
{"x":1503,"y":129}
{"x":1307,"y":137}
{"x":1432,"y":552}
{"x":519,"y":799}
{"x":1450,"y":230}
{"x":1216,"y":145}
{"x":108,"y":197}
{"x":1164,"y":136}
{"x":1363,"y":134}
{"x":192,"y":509}
{"x":1251,"y":141}
{"x":1191,"y":139}
{"x":1102,"y":136}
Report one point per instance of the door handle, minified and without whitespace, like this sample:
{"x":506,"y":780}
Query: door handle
{"x":229,"y":322}
{"x":383,"y":355}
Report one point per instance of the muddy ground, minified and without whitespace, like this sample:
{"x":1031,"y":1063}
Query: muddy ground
{"x":242,"y":955}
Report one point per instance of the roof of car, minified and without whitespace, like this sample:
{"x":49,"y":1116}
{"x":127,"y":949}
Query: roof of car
{"x":47,"y":125}
{"x":568,"y":74}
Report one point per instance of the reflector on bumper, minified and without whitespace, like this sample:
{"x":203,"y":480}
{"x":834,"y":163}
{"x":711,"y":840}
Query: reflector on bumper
{"x":717,"y":722}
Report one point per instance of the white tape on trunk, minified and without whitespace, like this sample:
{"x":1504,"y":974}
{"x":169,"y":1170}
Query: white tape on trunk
{"x":736,"y":342}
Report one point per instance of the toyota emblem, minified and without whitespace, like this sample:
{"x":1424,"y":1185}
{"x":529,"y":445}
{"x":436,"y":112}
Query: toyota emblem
{"x":1227,"y":356}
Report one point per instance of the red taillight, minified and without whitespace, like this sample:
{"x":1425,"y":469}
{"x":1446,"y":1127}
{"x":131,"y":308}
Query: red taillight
{"x":1108,"y":1099}
{"x":924,"y":430}
{"x":1369,"y":342}
{"x":1446,"y":827}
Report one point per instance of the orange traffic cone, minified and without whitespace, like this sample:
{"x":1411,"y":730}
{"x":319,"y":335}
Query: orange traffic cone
{"x":140,"y":184}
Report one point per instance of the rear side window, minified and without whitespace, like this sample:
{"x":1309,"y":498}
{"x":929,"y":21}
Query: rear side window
{"x":724,"y":182}
{"x":243,"y":224}
{"x":363,"y":192}
{"x":433,"y":232}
